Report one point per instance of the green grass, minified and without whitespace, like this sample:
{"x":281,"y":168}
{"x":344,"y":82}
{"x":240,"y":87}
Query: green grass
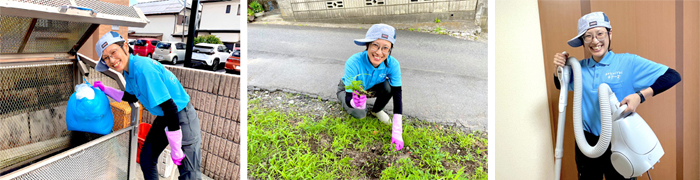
{"x":440,"y":30}
{"x":296,"y":146}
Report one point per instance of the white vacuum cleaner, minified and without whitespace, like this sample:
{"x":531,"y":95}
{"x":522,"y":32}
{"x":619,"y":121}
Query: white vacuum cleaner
{"x":635,"y":148}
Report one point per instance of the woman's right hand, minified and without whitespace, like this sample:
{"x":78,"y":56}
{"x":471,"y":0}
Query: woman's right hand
{"x":560,"y":60}
{"x":358,"y":101}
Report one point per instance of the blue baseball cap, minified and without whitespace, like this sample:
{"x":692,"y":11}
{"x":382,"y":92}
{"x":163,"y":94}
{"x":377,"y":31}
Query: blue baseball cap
{"x":107,"y":39}
{"x":588,"y":21}
{"x":378,"y":31}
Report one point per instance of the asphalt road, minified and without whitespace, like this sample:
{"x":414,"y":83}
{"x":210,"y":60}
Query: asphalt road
{"x":445,"y":79}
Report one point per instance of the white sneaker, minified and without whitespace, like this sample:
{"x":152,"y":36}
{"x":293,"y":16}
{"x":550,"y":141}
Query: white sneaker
{"x":382,"y":116}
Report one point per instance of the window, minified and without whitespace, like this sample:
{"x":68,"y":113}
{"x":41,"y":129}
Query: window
{"x":334,"y":4}
{"x":239,"y":9}
{"x":163,"y":45}
{"x":180,"y":46}
{"x":140,"y":43}
{"x":374,"y":2}
{"x":154,"y":42}
{"x":228,"y":9}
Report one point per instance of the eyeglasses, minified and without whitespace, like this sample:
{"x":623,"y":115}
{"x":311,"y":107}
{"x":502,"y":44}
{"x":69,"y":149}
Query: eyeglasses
{"x":375,"y":47}
{"x":110,"y":56}
{"x":600,"y":35}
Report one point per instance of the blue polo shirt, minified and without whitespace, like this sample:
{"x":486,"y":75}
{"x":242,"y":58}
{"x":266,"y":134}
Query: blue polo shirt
{"x":359,"y":64}
{"x":624,"y":73}
{"x":152,"y":84}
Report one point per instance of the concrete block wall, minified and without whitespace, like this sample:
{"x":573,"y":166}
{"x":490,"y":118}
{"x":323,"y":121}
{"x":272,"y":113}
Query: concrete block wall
{"x":216,"y":98}
{"x":377,"y":11}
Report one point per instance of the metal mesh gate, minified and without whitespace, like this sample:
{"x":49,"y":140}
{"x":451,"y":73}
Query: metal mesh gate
{"x":32,"y":126}
{"x":107,"y":159}
{"x":33,"y":111}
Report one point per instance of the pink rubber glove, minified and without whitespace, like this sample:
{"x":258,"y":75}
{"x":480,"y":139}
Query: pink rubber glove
{"x":396,"y":131}
{"x":358,"y":102}
{"x":175,"y":140}
{"x":109,"y":91}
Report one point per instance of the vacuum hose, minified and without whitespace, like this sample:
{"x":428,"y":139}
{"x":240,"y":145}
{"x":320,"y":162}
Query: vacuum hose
{"x":605,"y":115}
{"x":604,"y":95}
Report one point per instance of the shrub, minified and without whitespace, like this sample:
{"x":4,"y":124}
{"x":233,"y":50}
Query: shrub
{"x":211,"y":39}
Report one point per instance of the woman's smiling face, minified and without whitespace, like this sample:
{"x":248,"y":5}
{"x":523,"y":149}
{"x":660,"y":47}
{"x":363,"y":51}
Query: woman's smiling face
{"x":116,"y":58}
{"x":378,"y":51}
{"x":599,"y":42}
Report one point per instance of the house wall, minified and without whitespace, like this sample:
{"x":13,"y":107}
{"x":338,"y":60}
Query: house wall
{"x":160,"y":24}
{"x":214,"y":16}
{"x":179,"y":28}
{"x":228,"y":37}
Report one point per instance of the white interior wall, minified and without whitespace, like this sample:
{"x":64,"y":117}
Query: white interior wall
{"x":523,"y":140}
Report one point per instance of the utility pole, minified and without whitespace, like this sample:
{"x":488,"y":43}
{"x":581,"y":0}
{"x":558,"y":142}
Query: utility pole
{"x":191,"y":32}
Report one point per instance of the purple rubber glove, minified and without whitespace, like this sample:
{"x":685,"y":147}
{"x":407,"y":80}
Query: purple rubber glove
{"x":109,"y":91}
{"x":396,"y":131}
{"x":175,"y":140}
{"x":358,"y":102}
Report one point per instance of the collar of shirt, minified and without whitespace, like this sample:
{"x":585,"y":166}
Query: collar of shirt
{"x":131,"y":67}
{"x":368,"y":65}
{"x":607,"y":59}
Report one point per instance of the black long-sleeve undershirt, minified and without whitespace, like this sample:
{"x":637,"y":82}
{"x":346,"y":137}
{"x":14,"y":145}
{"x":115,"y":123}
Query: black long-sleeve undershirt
{"x":129,"y":97}
{"x":669,"y":79}
{"x":666,"y":81}
{"x":169,"y":111}
{"x":395,"y":93}
{"x":398,"y":102}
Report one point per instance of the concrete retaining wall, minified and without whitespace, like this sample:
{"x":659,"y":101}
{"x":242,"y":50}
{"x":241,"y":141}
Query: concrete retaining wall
{"x":378,"y":11}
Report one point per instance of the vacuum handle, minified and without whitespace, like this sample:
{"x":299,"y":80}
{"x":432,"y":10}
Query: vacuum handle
{"x":564,"y":73}
{"x":620,"y":113}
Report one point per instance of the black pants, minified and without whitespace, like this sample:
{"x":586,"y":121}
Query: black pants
{"x":156,"y":141}
{"x":382,"y":91}
{"x":595,"y":168}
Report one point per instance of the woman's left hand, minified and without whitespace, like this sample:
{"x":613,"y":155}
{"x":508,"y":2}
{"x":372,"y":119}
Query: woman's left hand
{"x":632,"y":101}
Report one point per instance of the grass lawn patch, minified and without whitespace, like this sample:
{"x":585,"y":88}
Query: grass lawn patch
{"x":292,"y":136}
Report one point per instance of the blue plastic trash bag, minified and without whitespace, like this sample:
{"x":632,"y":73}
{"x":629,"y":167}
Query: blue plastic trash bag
{"x":88,"y":110}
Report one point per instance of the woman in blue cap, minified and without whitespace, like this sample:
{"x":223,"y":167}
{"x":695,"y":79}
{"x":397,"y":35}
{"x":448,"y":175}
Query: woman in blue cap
{"x":161,"y":93}
{"x":380,"y":74}
{"x":628,"y":75}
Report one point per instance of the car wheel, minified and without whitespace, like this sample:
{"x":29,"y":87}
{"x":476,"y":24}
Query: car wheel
{"x":150,"y":56}
{"x":174,"y":60}
{"x":215,"y":65}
